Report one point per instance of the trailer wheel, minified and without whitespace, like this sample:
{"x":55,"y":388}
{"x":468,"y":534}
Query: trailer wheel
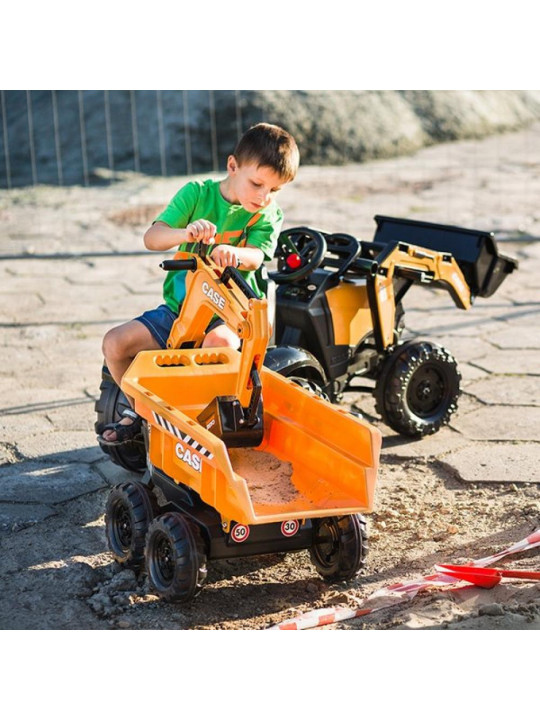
{"x":418,"y":388}
{"x":175,"y":557}
{"x":339,"y":546}
{"x":109,"y":408}
{"x":129,"y":511}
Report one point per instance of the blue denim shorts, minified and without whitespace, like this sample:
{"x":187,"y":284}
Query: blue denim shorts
{"x":160,"y":321}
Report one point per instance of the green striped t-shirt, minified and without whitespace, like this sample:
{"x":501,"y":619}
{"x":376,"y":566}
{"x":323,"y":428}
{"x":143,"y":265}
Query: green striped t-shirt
{"x":203,"y":200}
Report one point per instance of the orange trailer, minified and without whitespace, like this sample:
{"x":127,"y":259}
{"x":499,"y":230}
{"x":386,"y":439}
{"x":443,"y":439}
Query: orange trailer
{"x":241,"y":461}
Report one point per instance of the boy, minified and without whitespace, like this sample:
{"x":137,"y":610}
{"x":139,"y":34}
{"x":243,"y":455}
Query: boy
{"x":238,"y":215}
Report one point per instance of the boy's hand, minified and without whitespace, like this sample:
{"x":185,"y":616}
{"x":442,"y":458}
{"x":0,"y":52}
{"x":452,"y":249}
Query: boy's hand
{"x":224,"y":255}
{"x":202,"y":231}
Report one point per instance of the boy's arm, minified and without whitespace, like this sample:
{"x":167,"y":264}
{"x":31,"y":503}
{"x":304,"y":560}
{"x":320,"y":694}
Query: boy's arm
{"x":244,"y":258}
{"x":172,"y":227}
{"x":162,"y":237}
{"x":262,"y":239}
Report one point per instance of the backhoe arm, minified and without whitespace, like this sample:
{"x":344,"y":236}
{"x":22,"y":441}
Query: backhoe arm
{"x":212,"y":290}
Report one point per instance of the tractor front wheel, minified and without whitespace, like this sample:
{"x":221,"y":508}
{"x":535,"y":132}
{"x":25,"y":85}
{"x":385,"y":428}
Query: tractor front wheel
{"x":418,"y":388}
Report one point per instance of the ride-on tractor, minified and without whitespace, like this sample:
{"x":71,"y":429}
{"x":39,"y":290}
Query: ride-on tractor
{"x":209,"y":416}
{"x":341,"y":301}
{"x":239,"y":460}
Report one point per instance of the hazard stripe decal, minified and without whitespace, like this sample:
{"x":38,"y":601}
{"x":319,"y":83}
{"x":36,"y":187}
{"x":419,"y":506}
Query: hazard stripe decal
{"x":167,"y":425}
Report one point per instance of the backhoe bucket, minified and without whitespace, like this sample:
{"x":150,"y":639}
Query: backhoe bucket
{"x":315,"y":460}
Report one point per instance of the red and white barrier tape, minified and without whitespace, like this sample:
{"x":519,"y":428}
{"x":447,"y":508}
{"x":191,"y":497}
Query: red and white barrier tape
{"x":397,"y":593}
{"x":527,"y":544}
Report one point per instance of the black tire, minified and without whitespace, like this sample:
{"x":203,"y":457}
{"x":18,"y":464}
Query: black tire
{"x":129,"y":511}
{"x":175,"y":557}
{"x":311,"y":385}
{"x":109,"y":408}
{"x":418,"y":388}
{"x":339,"y":547}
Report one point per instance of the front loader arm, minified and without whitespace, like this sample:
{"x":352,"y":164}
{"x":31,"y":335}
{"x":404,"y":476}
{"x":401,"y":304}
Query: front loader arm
{"x":211,"y":290}
{"x":416,"y":265}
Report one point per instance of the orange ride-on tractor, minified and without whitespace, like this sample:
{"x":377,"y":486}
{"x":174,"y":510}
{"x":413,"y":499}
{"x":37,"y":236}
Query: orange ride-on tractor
{"x":239,"y":460}
{"x":341,"y":300}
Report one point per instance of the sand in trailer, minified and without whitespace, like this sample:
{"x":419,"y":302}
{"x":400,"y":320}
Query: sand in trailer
{"x":268,"y":478}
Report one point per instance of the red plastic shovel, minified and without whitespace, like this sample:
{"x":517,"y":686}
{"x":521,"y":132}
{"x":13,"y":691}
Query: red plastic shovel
{"x":485,"y":577}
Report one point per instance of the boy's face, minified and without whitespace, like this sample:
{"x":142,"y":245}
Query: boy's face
{"x":252,"y":186}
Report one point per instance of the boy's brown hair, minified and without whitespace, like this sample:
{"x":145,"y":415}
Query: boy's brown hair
{"x":269,"y":146}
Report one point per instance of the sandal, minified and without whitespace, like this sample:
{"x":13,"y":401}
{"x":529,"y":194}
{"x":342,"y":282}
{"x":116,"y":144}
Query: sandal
{"x":124,"y":433}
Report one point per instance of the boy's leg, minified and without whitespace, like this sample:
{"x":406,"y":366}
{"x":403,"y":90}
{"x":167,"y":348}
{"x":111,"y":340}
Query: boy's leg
{"x":122,"y":343}
{"x":120,"y":346}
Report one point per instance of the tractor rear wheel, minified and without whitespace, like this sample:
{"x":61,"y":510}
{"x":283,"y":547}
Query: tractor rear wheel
{"x":339,"y":546}
{"x":109,"y":408}
{"x":418,"y":389}
{"x":175,"y":557}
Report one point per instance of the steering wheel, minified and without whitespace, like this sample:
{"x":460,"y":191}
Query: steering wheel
{"x":299,"y":251}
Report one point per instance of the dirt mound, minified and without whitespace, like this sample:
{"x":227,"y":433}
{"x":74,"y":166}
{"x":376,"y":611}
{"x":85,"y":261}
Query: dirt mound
{"x":77,"y":135}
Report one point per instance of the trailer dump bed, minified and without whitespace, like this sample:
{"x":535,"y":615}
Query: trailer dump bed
{"x":325,"y":459}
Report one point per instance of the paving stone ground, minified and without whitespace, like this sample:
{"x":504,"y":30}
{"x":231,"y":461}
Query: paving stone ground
{"x":54,"y":311}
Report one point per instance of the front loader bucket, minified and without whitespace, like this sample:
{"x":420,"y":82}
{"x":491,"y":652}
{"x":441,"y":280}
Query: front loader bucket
{"x":315,"y":459}
{"x":475,"y":251}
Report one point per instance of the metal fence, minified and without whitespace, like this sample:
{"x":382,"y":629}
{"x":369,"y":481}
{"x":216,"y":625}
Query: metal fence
{"x":83,"y":136}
